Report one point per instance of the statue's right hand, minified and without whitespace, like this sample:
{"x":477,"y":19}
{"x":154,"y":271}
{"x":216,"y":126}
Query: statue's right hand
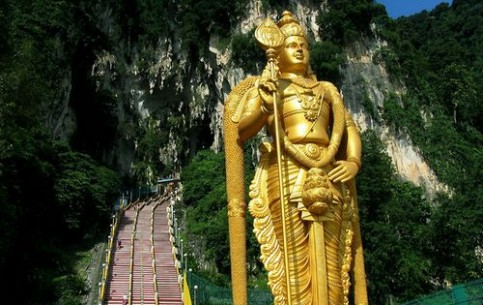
{"x":266,"y":88}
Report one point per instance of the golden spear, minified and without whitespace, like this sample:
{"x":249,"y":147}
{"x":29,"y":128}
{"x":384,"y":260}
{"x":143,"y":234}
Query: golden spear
{"x":270,"y":37}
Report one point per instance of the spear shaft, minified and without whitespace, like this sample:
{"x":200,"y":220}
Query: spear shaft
{"x":280,"y":177}
{"x":270,"y":37}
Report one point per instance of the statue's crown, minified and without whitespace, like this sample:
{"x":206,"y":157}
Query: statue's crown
{"x":291,"y":26}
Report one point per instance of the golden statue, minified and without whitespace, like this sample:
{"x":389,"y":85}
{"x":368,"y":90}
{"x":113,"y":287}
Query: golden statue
{"x":308,"y":229}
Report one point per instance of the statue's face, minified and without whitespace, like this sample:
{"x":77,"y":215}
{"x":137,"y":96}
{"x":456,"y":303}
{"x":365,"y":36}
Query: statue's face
{"x":294,"y":55}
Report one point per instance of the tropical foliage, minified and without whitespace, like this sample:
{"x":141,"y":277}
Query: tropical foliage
{"x":206,"y":233}
{"x":61,"y":124}
{"x":426,"y":243}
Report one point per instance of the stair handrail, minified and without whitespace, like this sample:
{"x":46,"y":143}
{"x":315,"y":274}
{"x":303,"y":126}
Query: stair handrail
{"x":153,"y":253}
{"x":174,"y":238}
{"x":109,"y":251}
{"x":131,"y":259}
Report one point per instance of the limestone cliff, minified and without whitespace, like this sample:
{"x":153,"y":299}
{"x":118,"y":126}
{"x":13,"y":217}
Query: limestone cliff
{"x":364,"y":80}
{"x":184,"y":98}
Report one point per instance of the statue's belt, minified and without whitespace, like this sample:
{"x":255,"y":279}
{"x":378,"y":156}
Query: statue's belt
{"x":311,"y":150}
{"x":307,"y":154}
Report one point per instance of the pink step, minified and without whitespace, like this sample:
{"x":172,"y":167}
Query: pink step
{"x":169,"y":291}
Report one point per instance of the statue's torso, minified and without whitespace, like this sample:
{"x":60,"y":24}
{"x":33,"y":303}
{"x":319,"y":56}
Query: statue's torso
{"x":305,"y":115}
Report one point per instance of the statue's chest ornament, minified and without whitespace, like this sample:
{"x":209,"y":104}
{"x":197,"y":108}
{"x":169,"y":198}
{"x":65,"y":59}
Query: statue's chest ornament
{"x":310,"y":103}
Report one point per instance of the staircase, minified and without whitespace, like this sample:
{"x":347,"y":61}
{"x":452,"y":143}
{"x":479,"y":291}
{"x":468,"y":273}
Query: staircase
{"x":145,"y":261}
{"x":169,"y":289}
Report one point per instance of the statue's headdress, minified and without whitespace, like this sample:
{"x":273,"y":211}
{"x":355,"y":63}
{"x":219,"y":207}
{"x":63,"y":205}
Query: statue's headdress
{"x":271,"y":36}
{"x":291,"y":26}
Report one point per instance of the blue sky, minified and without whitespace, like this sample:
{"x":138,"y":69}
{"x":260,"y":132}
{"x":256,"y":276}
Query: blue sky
{"x":397,"y":8}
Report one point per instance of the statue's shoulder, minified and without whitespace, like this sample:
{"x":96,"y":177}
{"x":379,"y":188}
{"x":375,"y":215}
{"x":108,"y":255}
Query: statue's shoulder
{"x":235,"y":101}
{"x":242,"y":87}
{"x":331,"y":91}
{"x":329,"y":87}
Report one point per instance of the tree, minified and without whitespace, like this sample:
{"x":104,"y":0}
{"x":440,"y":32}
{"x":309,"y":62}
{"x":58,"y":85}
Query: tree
{"x":458,"y":93}
{"x":206,"y":216}
{"x":394,"y":218}
{"x":326,"y":60}
{"x":204,"y":194}
{"x":84,"y":190}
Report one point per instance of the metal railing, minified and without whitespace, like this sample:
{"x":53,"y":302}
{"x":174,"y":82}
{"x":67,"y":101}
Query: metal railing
{"x":110,"y":246}
{"x":131,"y":258}
{"x":470,"y":293}
{"x":153,"y":255}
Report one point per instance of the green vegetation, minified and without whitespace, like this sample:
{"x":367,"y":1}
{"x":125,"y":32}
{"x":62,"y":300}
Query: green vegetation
{"x":436,"y":54}
{"x":61,"y":124}
{"x":147,"y":157}
{"x":200,"y":19}
{"x":55,"y":198}
{"x":204,"y":195}
{"x":326,"y":59}
{"x":394,"y":217}
{"x":346,"y":21}
{"x":247,"y":53}
{"x":441,"y":72}
{"x":54,"y":202}
{"x":401,"y":229}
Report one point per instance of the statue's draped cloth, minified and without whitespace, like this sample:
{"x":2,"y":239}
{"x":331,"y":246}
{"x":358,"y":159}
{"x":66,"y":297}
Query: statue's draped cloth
{"x":316,"y":254}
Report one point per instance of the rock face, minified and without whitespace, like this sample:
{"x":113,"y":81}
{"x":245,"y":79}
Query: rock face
{"x":185,"y":99}
{"x":367,"y":84}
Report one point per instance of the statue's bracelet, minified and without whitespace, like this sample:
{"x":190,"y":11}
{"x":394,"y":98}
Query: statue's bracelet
{"x":355,"y":160}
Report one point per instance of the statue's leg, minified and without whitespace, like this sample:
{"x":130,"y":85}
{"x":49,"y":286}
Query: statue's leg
{"x":297,"y":234}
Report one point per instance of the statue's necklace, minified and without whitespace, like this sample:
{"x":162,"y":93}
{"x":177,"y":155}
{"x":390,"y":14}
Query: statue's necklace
{"x":311,"y":104}
{"x":304,"y":82}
